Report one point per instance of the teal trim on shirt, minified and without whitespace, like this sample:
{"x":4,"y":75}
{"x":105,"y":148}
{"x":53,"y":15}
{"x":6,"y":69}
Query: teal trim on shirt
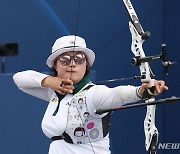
{"x":78,"y":87}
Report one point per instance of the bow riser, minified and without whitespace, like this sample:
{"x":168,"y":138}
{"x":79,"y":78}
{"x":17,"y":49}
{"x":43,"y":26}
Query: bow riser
{"x":150,"y":129}
{"x":137,"y":49}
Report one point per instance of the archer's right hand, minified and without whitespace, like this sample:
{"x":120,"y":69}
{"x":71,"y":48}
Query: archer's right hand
{"x":60,"y":85}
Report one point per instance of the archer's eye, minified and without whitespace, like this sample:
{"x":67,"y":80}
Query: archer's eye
{"x":65,"y":60}
{"x":79,"y":58}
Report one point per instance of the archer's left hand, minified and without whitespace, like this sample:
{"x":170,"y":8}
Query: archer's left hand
{"x":158,"y":84}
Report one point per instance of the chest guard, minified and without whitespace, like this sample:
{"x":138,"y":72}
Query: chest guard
{"x":82,"y":126}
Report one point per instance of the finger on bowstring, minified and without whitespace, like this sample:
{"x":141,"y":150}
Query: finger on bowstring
{"x":65,"y":90}
{"x":66,"y":82}
{"x":60,"y":92}
{"x":70,"y":87}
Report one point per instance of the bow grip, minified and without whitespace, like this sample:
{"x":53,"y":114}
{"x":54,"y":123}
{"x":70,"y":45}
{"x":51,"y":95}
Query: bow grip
{"x":150,"y":92}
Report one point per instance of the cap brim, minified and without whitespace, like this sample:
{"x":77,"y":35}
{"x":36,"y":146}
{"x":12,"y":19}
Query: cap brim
{"x":89,"y":53}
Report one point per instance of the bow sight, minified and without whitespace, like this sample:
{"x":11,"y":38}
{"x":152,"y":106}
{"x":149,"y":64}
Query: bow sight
{"x":163,"y":56}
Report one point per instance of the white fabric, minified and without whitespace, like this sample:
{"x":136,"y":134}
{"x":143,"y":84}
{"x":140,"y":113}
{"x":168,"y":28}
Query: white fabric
{"x":82,"y":126}
{"x":98,"y":147}
{"x":101,"y":97}
{"x":56,"y":125}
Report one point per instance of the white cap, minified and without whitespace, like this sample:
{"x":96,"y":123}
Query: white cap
{"x":70,"y":43}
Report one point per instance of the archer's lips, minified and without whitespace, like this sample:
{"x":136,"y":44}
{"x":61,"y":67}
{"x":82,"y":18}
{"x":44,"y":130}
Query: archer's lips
{"x":70,"y":71}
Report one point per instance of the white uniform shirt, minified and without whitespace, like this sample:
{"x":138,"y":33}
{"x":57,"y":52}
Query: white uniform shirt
{"x":100,"y":96}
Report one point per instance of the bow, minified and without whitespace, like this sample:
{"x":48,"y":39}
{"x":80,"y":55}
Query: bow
{"x":138,"y":37}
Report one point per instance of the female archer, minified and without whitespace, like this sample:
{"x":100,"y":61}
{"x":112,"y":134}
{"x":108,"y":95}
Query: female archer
{"x":70,"y":119}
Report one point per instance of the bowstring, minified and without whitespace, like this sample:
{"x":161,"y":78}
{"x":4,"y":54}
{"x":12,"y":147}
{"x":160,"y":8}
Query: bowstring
{"x":75,"y":33}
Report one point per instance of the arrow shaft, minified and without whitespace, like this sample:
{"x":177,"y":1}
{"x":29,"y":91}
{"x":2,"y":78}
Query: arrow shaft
{"x":161,"y":101}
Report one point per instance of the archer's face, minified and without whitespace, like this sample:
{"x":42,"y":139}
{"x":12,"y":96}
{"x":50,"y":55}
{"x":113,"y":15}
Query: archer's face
{"x":71,"y":65}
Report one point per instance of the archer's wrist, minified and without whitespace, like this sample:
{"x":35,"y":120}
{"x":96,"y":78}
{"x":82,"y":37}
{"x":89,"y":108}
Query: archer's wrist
{"x":45,"y":81}
{"x":140,"y":90}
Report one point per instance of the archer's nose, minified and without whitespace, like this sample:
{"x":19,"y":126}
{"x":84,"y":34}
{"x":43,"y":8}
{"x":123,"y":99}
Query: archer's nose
{"x":72,"y":64}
